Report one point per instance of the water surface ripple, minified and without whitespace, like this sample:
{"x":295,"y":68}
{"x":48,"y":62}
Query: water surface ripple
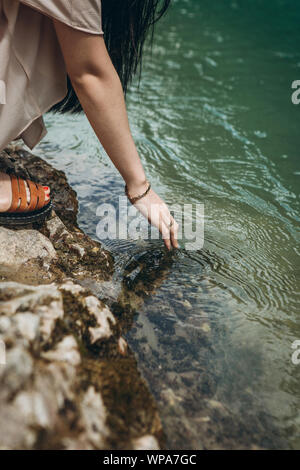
{"x":214,"y":123}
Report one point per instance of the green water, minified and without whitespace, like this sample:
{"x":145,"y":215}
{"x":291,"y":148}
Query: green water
{"x":214,"y":123}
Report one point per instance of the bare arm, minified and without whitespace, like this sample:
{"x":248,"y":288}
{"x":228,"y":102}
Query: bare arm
{"x":99,"y":90}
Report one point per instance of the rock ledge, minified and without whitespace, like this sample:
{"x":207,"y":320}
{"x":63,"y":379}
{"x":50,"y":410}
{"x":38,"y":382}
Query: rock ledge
{"x":70,"y":380}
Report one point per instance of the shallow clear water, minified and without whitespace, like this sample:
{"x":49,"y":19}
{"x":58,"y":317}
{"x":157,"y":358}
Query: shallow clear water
{"x":214,"y":123}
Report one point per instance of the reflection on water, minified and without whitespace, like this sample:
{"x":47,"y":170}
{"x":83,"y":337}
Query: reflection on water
{"x":214,"y":123}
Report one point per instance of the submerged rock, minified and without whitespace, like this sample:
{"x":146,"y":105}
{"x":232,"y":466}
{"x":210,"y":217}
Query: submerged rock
{"x":70,"y":380}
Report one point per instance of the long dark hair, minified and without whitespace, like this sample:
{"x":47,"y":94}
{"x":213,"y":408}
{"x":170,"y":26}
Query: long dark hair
{"x":126,"y":24}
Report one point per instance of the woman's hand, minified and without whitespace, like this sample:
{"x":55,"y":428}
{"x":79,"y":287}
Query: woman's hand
{"x":156,"y":211}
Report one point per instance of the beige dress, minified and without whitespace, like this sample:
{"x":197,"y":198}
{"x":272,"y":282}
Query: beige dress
{"x":32,"y":71}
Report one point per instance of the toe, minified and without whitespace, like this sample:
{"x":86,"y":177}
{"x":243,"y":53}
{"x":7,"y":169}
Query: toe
{"x":47,"y":192}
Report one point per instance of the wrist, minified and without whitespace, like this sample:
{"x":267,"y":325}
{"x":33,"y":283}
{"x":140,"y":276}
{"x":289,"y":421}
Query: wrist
{"x":137,"y":192}
{"x":137,"y":185}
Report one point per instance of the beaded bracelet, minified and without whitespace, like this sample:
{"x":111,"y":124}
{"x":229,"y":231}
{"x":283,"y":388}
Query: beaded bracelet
{"x":134,"y":199}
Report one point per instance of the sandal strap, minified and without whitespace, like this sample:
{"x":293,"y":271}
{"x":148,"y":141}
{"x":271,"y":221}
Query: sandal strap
{"x":37,"y":196}
{"x":33,"y":195}
{"x":41,"y":197}
{"x":19,"y":196}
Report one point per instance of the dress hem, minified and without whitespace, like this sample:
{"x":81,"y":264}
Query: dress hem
{"x":24,"y":129}
{"x":44,"y":130}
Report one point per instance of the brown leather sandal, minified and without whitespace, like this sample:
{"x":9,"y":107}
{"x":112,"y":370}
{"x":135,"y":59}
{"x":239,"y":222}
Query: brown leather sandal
{"x":22,"y":212}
